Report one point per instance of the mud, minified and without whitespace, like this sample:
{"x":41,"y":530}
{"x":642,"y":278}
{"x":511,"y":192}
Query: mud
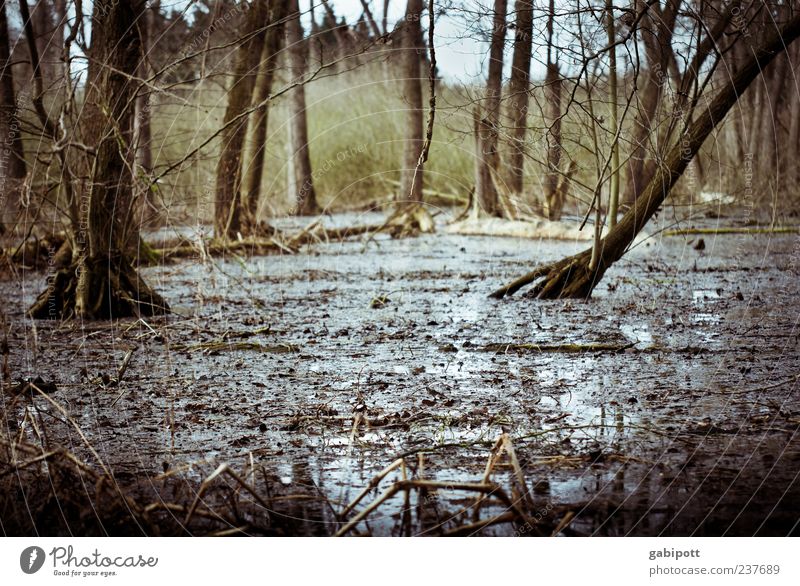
{"x":674,"y":411}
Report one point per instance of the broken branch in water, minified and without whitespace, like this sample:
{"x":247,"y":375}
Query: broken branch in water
{"x":562,"y":348}
{"x":217,"y":346}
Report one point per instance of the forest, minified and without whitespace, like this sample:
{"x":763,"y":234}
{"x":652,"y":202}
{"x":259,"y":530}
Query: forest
{"x":399,"y":267}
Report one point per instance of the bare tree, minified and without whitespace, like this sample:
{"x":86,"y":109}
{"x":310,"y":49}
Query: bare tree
{"x":413,"y":48}
{"x":613,"y":187}
{"x":107,"y":285}
{"x":260,"y":117}
{"x":144,"y":151}
{"x":227,"y":208}
{"x":553,"y":195}
{"x":305,"y":196}
{"x":518,"y":89}
{"x":576,"y":276}
{"x":656,"y":31}
{"x":488,"y":120}
{"x":13,"y":169}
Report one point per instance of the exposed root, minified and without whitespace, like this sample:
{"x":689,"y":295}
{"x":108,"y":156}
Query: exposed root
{"x":570,"y":278}
{"x":98,"y":288}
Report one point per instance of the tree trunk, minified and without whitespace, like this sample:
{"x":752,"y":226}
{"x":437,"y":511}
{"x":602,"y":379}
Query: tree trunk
{"x":574,"y":277}
{"x":43,"y":24}
{"x":518,"y":90}
{"x":554,"y":197}
{"x":344,"y":45}
{"x":613,"y":185}
{"x":413,"y":48}
{"x":227,"y":209}
{"x":107,"y":286}
{"x":488,"y":129}
{"x":13,"y":169}
{"x":305,"y":196}
{"x":260,"y":117}
{"x":657,"y":31}
{"x":775,"y":76}
{"x":385,"y":19}
{"x":144,"y":151}
{"x":793,"y":150}
{"x":60,"y":7}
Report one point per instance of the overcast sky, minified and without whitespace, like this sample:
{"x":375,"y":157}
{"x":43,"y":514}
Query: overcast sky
{"x":457,"y":58}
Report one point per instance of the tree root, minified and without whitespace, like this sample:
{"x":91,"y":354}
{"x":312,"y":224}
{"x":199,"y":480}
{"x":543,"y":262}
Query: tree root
{"x":569,"y":278}
{"x":98,"y":288}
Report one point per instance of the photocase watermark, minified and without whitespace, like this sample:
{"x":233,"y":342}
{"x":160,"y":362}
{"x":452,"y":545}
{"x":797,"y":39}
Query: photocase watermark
{"x":7,"y":151}
{"x":104,"y":9}
{"x":237,"y":9}
{"x":321,"y":170}
{"x":52,"y":307}
{"x":739,"y":21}
{"x":31,"y":559}
{"x":537,"y":517}
{"x":67,"y":563}
{"x":659,"y":74}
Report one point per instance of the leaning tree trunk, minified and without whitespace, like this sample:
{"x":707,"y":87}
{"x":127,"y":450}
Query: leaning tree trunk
{"x":106,"y":286}
{"x":12,"y":164}
{"x":305,"y":197}
{"x":260,"y":117}
{"x":518,"y":93}
{"x":413,"y":48}
{"x":576,"y":276}
{"x":227,"y":208}
{"x":489,"y":120}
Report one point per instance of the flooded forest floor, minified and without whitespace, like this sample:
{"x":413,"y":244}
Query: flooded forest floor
{"x":666,"y":405}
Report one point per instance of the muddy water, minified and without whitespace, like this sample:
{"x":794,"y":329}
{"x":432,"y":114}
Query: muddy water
{"x":689,"y":429}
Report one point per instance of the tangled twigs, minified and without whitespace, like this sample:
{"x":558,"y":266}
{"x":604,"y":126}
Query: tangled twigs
{"x":515,"y":505}
{"x":376,"y":480}
{"x":225,"y":469}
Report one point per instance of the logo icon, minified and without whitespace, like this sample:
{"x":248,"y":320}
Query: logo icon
{"x":31,"y":559}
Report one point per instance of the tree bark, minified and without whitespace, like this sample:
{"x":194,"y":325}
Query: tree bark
{"x":656,"y":34}
{"x":554,"y":197}
{"x":413,"y":48}
{"x":613,"y":186}
{"x":305,"y":196}
{"x":769,"y":141}
{"x":107,"y":286}
{"x":488,"y":129}
{"x":260,"y":117}
{"x":518,"y":93}
{"x":227,"y":209}
{"x":793,"y":150}
{"x":43,"y":24}
{"x":13,"y":169}
{"x":574,"y":277}
{"x":144,"y":151}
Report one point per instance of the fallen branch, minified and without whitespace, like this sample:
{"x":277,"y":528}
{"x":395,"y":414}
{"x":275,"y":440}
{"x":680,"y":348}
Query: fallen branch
{"x":505,"y":348}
